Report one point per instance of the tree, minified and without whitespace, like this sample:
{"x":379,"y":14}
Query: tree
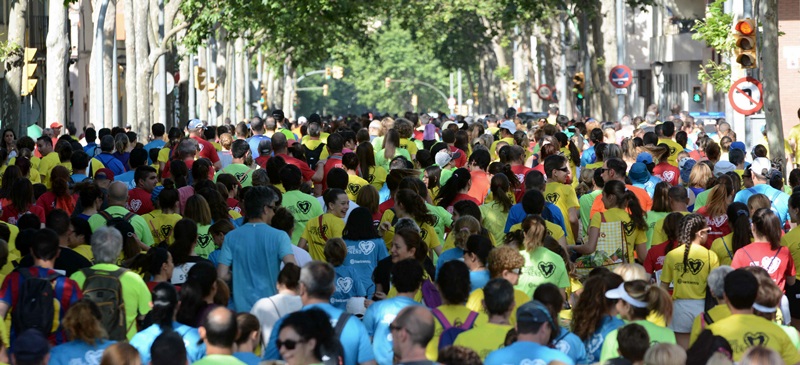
{"x":57,"y":55}
{"x":14,"y":61}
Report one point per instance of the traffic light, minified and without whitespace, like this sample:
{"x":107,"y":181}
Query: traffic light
{"x":263,"y":97}
{"x":199,"y":78}
{"x":745,"y":36}
{"x":387,"y":82}
{"x":327,"y":73}
{"x":212,"y":92}
{"x":338,"y":72}
{"x":513,"y":89}
{"x":325,"y":90}
{"x":578,"y":84}
{"x":28,"y":70}
{"x":697,"y":94}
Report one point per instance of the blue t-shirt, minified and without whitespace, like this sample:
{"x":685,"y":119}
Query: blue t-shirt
{"x":384,"y":194}
{"x":195,"y":348}
{"x":127,"y":178}
{"x":594,"y":345}
{"x":478,"y":279}
{"x":110,"y":162}
{"x":354,"y":338}
{"x":650,"y":186}
{"x":78,"y":352}
{"x":517,"y":214}
{"x":348,"y":286}
{"x":525,"y":352}
{"x":588,"y":156}
{"x":91,"y":149}
{"x":76,"y":178}
{"x":571,"y":345}
{"x":254,"y":251}
{"x":779,"y":199}
{"x":377,"y":320}
{"x":454,"y":253}
{"x":248,"y":358}
{"x":153,"y":144}
{"x":254,"y":141}
{"x":363,"y":257}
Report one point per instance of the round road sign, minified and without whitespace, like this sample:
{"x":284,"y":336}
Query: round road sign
{"x":746,"y":96}
{"x":620,"y":76}
{"x":545,"y":92}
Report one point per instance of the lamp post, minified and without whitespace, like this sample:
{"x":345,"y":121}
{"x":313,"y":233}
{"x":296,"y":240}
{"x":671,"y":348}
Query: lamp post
{"x":658,"y":71}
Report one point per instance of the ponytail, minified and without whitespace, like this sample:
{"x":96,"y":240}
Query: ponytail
{"x":658,"y":300}
{"x":637,"y":213}
{"x":457,"y":182}
{"x":689,"y":226}
{"x":768,"y":224}
{"x":535,"y":229}
{"x":739,"y":220}
{"x":500,"y":187}
{"x":463,"y":228}
{"x":512,"y":177}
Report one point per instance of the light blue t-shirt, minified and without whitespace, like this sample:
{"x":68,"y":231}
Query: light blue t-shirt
{"x":525,"y":352}
{"x":354,"y":338}
{"x":348,"y":286}
{"x":454,"y":253}
{"x":384,"y":194}
{"x":91,"y":149}
{"x":478,"y":279}
{"x":195,"y":348}
{"x":127,"y":178}
{"x":588,"y":156}
{"x":76,"y":178}
{"x":254,"y":141}
{"x":153,"y":144}
{"x":377,"y":320}
{"x":517,"y":214}
{"x":78,"y":352}
{"x":363,"y":257}
{"x":571,"y":345}
{"x":254,"y":252}
{"x":650,"y":185}
{"x":594,"y":345}
{"x":248,"y":358}
{"x":779,"y":199}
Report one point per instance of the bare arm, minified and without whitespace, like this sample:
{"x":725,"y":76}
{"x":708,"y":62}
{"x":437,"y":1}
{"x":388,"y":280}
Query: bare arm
{"x":223,"y":272}
{"x":641,"y":251}
{"x":790,"y":280}
{"x":302,"y":244}
{"x":574,"y":221}
{"x":563,"y":242}
{"x":218,"y":165}
{"x":590,"y":245}
{"x":319,"y":172}
{"x":289,"y":259}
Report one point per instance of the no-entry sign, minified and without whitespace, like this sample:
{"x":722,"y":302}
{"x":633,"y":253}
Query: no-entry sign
{"x":545,"y":92}
{"x":746,"y":96}
{"x":620,"y":76}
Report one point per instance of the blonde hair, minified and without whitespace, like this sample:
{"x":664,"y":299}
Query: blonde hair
{"x":631,"y":272}
{"x":121,"y":142}
{"x":759,"y":355}
{"x":665,"y":354}
{"x":658,"y":300}
{"x":758,"y":201}
{"x":226,"y":140}
{"x":82,"y":322}
{"x":719,"y":358}
{"x":534,"y":230}
{"x":335,"y":251}
{"x":464,"y":227}
{"x":700,"y":175}
{"x":121,"y":353}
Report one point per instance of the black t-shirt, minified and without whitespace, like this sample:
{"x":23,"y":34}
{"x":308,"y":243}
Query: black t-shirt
{"x":67,"y":260}
{"x":383,"y":272}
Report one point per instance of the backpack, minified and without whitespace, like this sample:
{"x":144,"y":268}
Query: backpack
{"x":105,"y":289}
{"x":450,"y":332}
{"x":333,"y":354}
{"x":35,"y":307}
{"x":312,"y":156}
{"x":112,"y":221}
{"x":430,"y":294}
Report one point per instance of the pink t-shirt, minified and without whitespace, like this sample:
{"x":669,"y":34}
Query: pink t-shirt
{"x":779,"y":264}
{"x":719,"y":225}
{"x":667,"y":172}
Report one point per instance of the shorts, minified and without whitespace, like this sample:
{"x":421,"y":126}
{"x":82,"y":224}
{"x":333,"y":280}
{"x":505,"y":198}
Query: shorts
{"x":684,"y":312}
{"x":793,"y":294}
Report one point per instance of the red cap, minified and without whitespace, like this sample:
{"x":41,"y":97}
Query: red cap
{"x":55,"y":125}
{"x":104,"y":173}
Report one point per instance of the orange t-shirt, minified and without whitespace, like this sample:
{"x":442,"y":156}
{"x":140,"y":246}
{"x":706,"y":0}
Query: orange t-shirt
{"x":480,"y":185}
{"x":641,"y":194}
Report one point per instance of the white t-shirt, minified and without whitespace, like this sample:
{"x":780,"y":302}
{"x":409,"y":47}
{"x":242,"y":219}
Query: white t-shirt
{"x":300,"y":255}
{"x":270,"y":310}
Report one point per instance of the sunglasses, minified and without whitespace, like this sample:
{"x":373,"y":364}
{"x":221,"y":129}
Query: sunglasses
{"x":517,"y":270}
{"x":564,"y":169}
{"x":289,"y":344}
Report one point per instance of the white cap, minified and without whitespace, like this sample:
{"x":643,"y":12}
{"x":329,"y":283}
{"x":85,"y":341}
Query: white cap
{"x":194,"y":124}
{"x":302,"y":120}
{"x":443,"y":158}
{"x":761,"y":166}
{"x":508,"y":125}
{"x":620,"y":293}
{"x":450,"y":122}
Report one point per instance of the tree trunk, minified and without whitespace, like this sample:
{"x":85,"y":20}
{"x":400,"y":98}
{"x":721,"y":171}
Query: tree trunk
{"x":131,"y":75}
{"x":143,"y":77}
{"x":13,"y":78}
{"x":202,"y":95}
{"x":108,"y":62}
{"x":602,"y":102}
{"x":239,"y":56}
{"x":57,"y":48}
{"x":222,"y":73}
{"x":288,"y":88}
{"x":270,"y":87}
{"x":769,"y":71}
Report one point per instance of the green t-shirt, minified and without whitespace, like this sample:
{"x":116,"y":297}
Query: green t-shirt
{"x":219,"y":360}
{"x":656,"y":333}
{"x":303,"y":207}
{"x":586,"y":201}
{"x":139,"y":224}
{"x":443,"y":219}
{"x":793,"y":335}
{"x":700,"y":199}
{"x":382,"y":161}
{"x":205,"y":243}
{"x":494,"y":220}
{"x":542,"y":266}
{"x":446,"y":173}
{"x":652,"y":218}
{"x":242,"y":172}
{"x":135,"y":294}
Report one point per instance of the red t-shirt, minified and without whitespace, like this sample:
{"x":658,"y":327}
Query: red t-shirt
{"x":383,"y":207}
{"x":480,"y":185}
{"x":655,"y":257}
{"x":667,"y":172}
{"x":11,"y":215}
{"x":334,"y":161}
{"x":189,"y":162}
{"x":139,"y":201}
{"x":459,"y":198}
{"x":234,"y":204}
{"x":262,"y":161}
{"x":461,"y":160}
{"x":302,"y":165}
{"x":719,"y":225}
{"x":779,"y":264}
{"x":48,"y":202}
{"x":520,"y":171}
{"x":207,"y":150}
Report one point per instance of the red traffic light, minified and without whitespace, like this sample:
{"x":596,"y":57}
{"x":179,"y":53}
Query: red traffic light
{"x":745,"y":27}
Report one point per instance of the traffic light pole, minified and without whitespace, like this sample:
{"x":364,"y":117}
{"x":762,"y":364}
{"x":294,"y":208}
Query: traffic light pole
{"x":423,"y":83}
{"x":620,"y":22}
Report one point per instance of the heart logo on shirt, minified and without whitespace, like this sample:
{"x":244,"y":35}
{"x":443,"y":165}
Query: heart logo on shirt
{"x":93,"y":357}
{"x":628,"y":226}
{"x":695,"y":266}
{"x":353,"y":188}
{"x":552,"y":197}
{"x":344,"y":285}
{"x":135,"y":204}
{"x":304,"y":206}
{"x":771,"y":264}
{"x":672,"y":151}
{"x":366,"y":247}
{"x":370,"y":178}
{"x":717,"y":221}
{"x":668,"y":176}
{"x":423,"y":234}
{"x":547,"y":269}
{"x":323,"y":231}
{"x":241,"y":176}
{"x":756,"y":339}
{"x":165,"y":230}
{"x":204,"y":240}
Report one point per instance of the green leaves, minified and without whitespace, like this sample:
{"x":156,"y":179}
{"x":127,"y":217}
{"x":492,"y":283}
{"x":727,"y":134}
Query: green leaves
{"x":715,"y":30}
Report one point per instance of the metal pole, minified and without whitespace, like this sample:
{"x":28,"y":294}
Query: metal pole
{"x":97,"y":48}
{"x":192,"y":99}
{"x":562,"y":78}
{"x":451,"y":92}
{"x":231,"y":92}
{"x":162,"y":72}
{"x":246,"y":101}
{"x":459,"y":91}
{"x":212,"y":74}
{"x":115,"y":84}
{"x":620,"y":51}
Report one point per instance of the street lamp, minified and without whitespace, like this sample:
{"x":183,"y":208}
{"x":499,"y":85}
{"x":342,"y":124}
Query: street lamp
{"x":658,"y":68}
{"x":658,"y":71}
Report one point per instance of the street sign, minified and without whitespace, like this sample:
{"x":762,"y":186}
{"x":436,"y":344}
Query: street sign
{"x":746,"y":96}
{"x":545,"y":92}
{"x":621,"y":91}
{"x":620,"y":76}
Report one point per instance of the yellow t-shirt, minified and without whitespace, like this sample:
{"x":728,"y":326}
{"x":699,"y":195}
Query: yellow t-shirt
{"x":747,"y":330}
{"x":493,"y":149}
{"x":489,"y":337}
{"x":317,"y":234}
{"x":323,"y":137}
{"x":46,"y":166}
{"x":85,"y":251}
{"x":427,"y":232}
{"x":564,"y":197}
{"x":633,"y":236}
{"x":717,"y":313}
{"x":409,"y":146}
{"x":475,"y":302}
{"x":659,"y":236}
{"x":312,"y":144}
{"x":494,"y":219}
{"x":35,"y":176}
{"x":354,"y":184}
{"x":792,"y":241}
{"x":163,"y":155}
{"x":66,"y":164}
{"x":161,"y":225}
{"x":376,"y":177}
{"x":674,"y":150}
{"x":553,"y":230}
{"x":456,"y":315}
{"x":216,"y":145}
{"x":723,"y":247}
{"x":593,"y":166}
{"x":689,"y":283}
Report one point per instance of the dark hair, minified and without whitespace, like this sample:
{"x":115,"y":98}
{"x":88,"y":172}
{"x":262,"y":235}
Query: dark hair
{"x":359,"y":225}
{"x":592,"y":304}
{"x":550,"y":295}
{"x":289,"y":276}
{"x":45,"y":244}
{"x":185,"y":233}
{"x":151,"y":262}
{"x":413,"y":240}
{"x":468,"y":207}
{"x":199,"y":282}
{"x":453,"y":282}
{"x":167,"y":347}
{"x":480,"y":246}
{"x":283,"y":220}
{"x":335,"y":142}
{"x":739,"y":221}
{"x":273,"y":167}
{"x":534,"y":180}
{"x":671,"y":226}
{"x":481,"y":158}
{"x":79,"y":160}
{"x":553,"y":162}
{"x":457,"y":182}
{"x":633,"y":342}
{"x":459,"y":355}
{"x":179,"y":172}
{"x":500,"y":186}
{"x":22,"y":195}
{"x":767,"y":224}
{"x":498,"y":296}
{"x":165,"y":301}
{"x":58,"y":221}
{"x":407,"y":275}
{"x":256,"y":199}
{"x":291,"y":177}
{"x":81,"y":227}
{"x":311,"y":324}
{"x":689,"y":226}
{"x":414,"y":205}
{"x":626,"y":199}
{"x":741,"y":288}
{"x":337,"y":178}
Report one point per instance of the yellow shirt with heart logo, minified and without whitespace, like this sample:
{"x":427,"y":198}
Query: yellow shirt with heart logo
{"x":690,"y":282}
{"x":427,"y":232}
{"x":354,"y":184}
{"x":564,"y":197}
{"x":744,"y":331}
{"x":161,"y":225}
{"x":376,"y":177}
{"x":633,"y":235}
{"x":319,"y":230}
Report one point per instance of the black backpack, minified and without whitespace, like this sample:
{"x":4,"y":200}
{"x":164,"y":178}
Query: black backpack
{"x":35,"y":306}
{"x":112,"y":221}
{"x":105,"y":289}
{"x":312,"y":156}
{"x":333,"y":354}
